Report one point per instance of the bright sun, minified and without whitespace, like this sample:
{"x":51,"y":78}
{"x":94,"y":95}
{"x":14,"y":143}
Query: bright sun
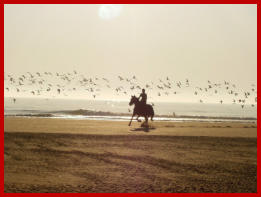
{"x":109,"y":11}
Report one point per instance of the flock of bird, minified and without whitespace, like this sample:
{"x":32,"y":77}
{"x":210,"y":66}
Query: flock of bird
{"x":64,"y":84}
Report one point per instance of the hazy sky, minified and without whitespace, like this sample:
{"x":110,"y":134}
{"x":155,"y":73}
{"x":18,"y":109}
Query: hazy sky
{"x":199,"y":42}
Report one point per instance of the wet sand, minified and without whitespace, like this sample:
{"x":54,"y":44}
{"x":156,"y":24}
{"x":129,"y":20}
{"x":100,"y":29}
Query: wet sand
{"x":54,"y":155}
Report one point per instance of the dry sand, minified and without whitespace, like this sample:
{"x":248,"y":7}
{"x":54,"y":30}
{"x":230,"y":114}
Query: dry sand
{"x":54,"y":155}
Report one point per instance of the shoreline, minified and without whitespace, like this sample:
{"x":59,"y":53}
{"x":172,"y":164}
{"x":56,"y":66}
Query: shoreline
{"x":127,"y":117}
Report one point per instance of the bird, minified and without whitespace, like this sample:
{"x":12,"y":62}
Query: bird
{"x":66,"y":83}
{"x":121,"y":78}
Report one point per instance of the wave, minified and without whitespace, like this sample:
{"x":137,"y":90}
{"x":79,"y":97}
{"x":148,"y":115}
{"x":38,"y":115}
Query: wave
{"x":43,"y":115}
{"x":102,"y":115}
{"x":90,"y":113}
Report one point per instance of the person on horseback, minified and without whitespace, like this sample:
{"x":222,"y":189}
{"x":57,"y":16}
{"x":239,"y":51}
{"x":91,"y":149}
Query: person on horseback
{"x":141,"y":108}
{"x":143,"y":97}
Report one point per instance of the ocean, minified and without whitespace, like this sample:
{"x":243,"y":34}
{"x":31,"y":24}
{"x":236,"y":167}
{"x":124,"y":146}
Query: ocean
{"x":121,"y":111}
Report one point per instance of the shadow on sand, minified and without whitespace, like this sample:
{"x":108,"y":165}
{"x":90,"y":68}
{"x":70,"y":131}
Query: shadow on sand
{"x":143,"y":128}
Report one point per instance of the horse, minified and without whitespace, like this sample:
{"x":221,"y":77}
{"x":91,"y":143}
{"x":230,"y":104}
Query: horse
{"x":141,"y":110}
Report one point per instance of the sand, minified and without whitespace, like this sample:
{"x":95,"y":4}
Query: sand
{"x":55,"y":155}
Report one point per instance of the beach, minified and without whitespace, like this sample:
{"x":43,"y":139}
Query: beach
{"x":94,"y":156}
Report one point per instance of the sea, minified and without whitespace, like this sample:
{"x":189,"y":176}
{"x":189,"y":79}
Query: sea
{"x":81,"y":109}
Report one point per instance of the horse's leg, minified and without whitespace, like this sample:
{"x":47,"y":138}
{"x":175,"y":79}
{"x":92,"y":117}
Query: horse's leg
{"x":146,"y":119}
{"x":131,"y":120}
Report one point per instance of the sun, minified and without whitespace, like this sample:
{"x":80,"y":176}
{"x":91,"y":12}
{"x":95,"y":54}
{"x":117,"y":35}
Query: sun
{"x":110,"y":11}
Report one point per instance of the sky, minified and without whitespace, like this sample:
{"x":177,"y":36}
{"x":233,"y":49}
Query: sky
{"x":195,"y":42}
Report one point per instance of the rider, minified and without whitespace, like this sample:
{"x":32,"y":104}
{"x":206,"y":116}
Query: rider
{"x":143,"y":97}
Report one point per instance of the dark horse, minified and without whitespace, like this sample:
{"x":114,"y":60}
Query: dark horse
{"x":141,"y":110}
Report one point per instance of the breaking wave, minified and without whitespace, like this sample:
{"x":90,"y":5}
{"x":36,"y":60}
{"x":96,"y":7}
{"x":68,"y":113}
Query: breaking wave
{"x":106,"y":115}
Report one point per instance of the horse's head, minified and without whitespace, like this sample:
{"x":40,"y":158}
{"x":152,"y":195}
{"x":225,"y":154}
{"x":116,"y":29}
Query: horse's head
{"x":133,"y":100}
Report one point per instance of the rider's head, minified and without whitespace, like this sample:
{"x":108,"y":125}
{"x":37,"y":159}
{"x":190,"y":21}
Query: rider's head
{"x":143,"y":90}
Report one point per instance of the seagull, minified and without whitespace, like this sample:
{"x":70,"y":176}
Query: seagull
{"x":120,"y":78}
